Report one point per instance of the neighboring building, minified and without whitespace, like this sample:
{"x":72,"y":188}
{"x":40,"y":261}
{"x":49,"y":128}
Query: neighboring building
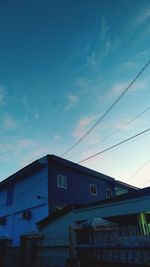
{"x":49,"y":183}
{"x":123,"y":188}
{"x":129,"y":209}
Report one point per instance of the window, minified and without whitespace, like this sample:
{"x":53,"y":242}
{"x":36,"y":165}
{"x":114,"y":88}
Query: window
{"x":93,"y":189}
{"x":121,"y":191}
{"x":109,"y":192}
{"x":2,"y":220}
{"x":10,"y":194}
{"x":61,"y":181}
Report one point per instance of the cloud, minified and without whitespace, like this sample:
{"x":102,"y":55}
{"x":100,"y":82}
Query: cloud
{"x":72,"y":101}
{"x":129,"y":65}
{"x":120,"y":87}
{"x":109,"y":42}
{"x":57,"y":137}
{"x":2,"y":93}
{"x":25,"y":143}
{"x":104,"y":29}
{"x":139,"y":19}
{"x":142,"y":16}
{"x":25,"y":102}
{"x":83,"y":126}
{"x":9,"y":123}
{"x":37,"y":115}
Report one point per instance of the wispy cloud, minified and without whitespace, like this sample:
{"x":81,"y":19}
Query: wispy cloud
{"x":142,"y":16}
{"x":57,"y":137}
{"x":72,"y":101}
{"x":37,"y":115}
{"x":9,"y":122}
{"x":119,"y":87}
{"x":25,"y":102}
{"x":83,"y":125}
{"x":2,"y":93}
{"x":109,"y":43}
{"x":25,"y":143}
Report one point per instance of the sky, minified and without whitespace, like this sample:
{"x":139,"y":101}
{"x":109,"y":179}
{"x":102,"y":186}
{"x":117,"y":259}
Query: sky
{"x":62,"y":65}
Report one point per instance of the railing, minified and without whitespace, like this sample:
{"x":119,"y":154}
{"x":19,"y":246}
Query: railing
{"x":125,"y":245}
{"x":53,"y":251}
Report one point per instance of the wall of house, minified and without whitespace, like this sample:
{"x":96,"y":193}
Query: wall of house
{"x":78,"y":187}
{"x":25,"y":192}
{"x":121,"y":188}
{"x":132,"y":206}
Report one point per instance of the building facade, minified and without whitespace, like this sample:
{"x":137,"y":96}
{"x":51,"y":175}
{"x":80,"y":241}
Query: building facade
{"x":49,"y":183}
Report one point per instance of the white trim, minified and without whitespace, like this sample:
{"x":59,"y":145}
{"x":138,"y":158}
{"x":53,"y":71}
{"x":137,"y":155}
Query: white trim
{"x":94,"y":186}
{"x":108,"y":190}
{"x":61,"y":181}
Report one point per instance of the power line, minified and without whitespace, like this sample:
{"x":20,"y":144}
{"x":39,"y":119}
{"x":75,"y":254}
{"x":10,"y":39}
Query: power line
{"x":147,"y":181}
{"x":116,"y":131}
{"x":109,"y":148}
{"x":110,"y":108}
{"x":140,"y":169}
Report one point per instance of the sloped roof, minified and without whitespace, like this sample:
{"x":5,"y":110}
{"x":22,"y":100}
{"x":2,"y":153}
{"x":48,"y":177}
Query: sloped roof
{"x":132,"y":195}
{"x":29,"y":169}
{"x":70,"y":164}
{"x":38,"y":164}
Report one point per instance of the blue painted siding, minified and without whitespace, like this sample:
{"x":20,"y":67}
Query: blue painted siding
{"x":78,"y":187}
{"x":25,"y":192}
{"x":35,"y":188}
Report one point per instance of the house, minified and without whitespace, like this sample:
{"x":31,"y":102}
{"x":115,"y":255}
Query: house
{"x":129,"y":209}
{"x":46,"y":185}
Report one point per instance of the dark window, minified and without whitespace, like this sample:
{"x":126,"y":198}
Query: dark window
{"x":93,"y":189}
{"x":10,"y":194}
{"x":61,"y":181}
{"x":147,"y":217}
{"x":109,"y":192}
{"x":2,"y":220}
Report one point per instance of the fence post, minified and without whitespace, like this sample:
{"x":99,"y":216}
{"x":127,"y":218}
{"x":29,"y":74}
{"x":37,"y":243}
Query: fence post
{"x":4,"y":244}
{"x":71,"y":261}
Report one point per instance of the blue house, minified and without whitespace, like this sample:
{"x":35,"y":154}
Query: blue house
{"x":46,"y":185}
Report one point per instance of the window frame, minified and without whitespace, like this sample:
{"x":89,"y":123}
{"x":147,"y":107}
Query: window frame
{"x":63,"y":183}
{"x":109,"y":190}
{"x":93,"y":186}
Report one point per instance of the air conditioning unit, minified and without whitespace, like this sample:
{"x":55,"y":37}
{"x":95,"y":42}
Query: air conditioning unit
{"x":2,"y":220}
{"x":26,"y":214}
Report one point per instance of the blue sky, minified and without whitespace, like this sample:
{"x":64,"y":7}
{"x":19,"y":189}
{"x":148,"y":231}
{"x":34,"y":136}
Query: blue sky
{"x":62,"y":64}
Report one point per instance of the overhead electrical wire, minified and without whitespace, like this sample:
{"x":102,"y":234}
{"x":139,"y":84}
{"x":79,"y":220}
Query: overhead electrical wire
{"x":109,"y":109}
{"x":139,"y":170}
{"x":147,"y":181}
{"x":109,"y":148}
{"x":116,"y":131}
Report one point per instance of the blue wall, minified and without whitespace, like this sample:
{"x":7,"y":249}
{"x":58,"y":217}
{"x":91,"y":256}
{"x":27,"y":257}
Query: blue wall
{"x":78,"y":186}
{"x":25,"y":192}
{"x":31,"y":182}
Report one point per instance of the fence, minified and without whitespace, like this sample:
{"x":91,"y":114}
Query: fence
{"x":125,"y":245}
{"x":52,"y":252}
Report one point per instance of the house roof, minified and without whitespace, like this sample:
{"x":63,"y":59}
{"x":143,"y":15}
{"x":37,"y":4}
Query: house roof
{"x":126,"y":185}
{"x":70,"y":164}
{"x":27,"y":170}
{"x":55,"y":215}
{"x":38,"y":164}
{"x":49,"y":159}
{"x":132,"y":195}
